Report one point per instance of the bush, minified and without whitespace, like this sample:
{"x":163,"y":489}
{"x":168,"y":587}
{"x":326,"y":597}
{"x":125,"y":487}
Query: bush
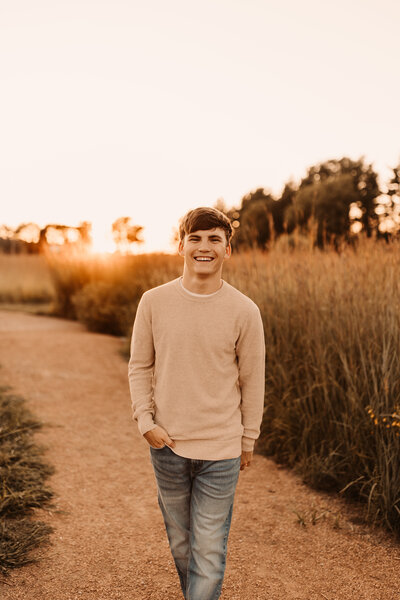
{"x":107,"y":308}
{"x":78,"y":278}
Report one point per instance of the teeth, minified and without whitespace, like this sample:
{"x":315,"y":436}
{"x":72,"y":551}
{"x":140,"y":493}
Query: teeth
{"x":204,"y":259}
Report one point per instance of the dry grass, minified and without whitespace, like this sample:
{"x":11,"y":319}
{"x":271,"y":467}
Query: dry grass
{"x":24,"y":278}
{"x":103,"y":291}
{"x":332,"y":327}
{"x":22,"y":474}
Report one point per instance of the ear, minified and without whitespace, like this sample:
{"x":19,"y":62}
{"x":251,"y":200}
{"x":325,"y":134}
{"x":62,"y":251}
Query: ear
{"x":228,"y":251}
{"x":180,"y":248}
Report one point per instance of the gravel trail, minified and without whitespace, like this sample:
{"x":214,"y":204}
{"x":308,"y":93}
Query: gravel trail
{"x":109,"y":541}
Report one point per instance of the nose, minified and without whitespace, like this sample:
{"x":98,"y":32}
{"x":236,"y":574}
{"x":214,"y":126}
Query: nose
{"x":204,"y":245}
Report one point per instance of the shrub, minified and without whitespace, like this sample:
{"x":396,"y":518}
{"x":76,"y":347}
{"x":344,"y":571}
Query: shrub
{"x":112,"y":277}
{"x":108,"y":308}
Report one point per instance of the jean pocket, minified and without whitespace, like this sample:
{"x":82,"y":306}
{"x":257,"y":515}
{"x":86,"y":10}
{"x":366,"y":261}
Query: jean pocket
{"x":158,"y":449}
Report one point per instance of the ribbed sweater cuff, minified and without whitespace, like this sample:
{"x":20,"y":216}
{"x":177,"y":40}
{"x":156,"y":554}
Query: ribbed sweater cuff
{"x":146,"y":423}
{"x":247,"y":444}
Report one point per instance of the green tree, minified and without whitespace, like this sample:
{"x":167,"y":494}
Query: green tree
{"x":365,"y":183}
{"x":255,"y":219}
{"x":280,"y":209}
{"x":328,"y":202}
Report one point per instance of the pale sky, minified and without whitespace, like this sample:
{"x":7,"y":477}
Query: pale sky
{"x":147,"y":109}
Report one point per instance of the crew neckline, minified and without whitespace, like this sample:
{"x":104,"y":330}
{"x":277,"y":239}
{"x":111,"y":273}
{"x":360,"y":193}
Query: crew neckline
{"x":199,"y":297}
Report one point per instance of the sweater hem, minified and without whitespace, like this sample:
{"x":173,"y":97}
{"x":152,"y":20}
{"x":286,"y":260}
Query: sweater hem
{"x":209,"y":449}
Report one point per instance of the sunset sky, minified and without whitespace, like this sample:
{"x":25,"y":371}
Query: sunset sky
{"x":115,"y":108}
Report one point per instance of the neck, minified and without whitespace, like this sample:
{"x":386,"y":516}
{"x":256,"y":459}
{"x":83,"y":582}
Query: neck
{"x":198,"y":285}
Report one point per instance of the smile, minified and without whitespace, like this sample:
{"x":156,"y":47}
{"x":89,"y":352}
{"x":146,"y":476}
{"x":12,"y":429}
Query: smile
{"x":203,"y":258}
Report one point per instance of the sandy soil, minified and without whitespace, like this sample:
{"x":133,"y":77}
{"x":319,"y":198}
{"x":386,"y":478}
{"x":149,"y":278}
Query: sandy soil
{"x":109,"y":541}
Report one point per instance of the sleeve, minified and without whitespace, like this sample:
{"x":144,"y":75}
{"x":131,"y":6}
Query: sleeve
{"x":250,"y":352}
{"x":141,"y":368}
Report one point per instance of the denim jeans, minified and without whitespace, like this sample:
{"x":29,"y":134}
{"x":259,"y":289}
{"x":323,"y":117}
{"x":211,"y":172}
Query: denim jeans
{"x":196,"y":501}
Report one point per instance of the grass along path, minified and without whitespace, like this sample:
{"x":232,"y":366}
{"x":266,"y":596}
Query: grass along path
{"x":23,"y":473}
{"x":287,"y":542}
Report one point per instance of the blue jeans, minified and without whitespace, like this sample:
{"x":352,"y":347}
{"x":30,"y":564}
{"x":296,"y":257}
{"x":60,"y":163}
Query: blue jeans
{"x":196,"y":501}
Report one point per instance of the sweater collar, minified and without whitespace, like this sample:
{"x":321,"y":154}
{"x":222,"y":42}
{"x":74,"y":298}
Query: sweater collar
{"x":199,"y":297}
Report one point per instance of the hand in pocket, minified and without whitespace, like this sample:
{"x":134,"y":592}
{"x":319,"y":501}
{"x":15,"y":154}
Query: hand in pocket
{"x":158,"y":438}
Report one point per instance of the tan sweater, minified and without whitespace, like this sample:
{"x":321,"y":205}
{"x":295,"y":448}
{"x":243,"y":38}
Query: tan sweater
{"x":197,"y":369}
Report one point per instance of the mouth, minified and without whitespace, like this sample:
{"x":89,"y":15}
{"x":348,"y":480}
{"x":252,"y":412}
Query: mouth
{"x":203,"y":258}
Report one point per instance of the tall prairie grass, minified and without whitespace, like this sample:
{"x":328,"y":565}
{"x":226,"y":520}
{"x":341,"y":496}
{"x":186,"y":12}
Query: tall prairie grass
{"x":332,"y":329}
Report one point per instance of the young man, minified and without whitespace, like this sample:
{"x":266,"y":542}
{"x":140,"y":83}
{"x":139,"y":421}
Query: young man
{"x":196,"y":377}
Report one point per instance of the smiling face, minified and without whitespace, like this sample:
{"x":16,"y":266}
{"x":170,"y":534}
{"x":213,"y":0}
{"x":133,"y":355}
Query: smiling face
{"x":204,"y":252}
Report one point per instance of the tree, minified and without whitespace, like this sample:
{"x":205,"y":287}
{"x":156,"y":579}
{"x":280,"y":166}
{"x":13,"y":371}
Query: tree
{"x":125,"y":234}
{"x":280,"y":209}
{"x":25,"y":238}
{"x":8,"y":242}
{"x":232,"y":214}
{"x":394,"y":183}
{"x":255,"y":220}
{"x":365,"y":183}
{"x":28,"y":232}
{"x":85,"y":230}
{"x":391,"y":215}
{"x":221,"y":206}
{"x":328,"y":202}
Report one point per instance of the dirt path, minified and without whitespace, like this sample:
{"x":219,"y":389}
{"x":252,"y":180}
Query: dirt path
{"x":110,"y":541}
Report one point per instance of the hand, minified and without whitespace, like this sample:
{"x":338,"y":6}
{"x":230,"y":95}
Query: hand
{"x":246,"y":459}
{"x":158,"y":438}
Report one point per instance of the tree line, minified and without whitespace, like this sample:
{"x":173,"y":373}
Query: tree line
{"x":334,"y":202}
{"x":32,"y":239}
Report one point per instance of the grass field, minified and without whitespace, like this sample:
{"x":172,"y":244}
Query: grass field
{"x":332,"y":410}
{"x":332,"y":329}
{"x":25,"y":279}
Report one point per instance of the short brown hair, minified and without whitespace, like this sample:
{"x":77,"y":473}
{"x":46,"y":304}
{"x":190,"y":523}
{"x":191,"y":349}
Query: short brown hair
{"x":204,"y":218}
